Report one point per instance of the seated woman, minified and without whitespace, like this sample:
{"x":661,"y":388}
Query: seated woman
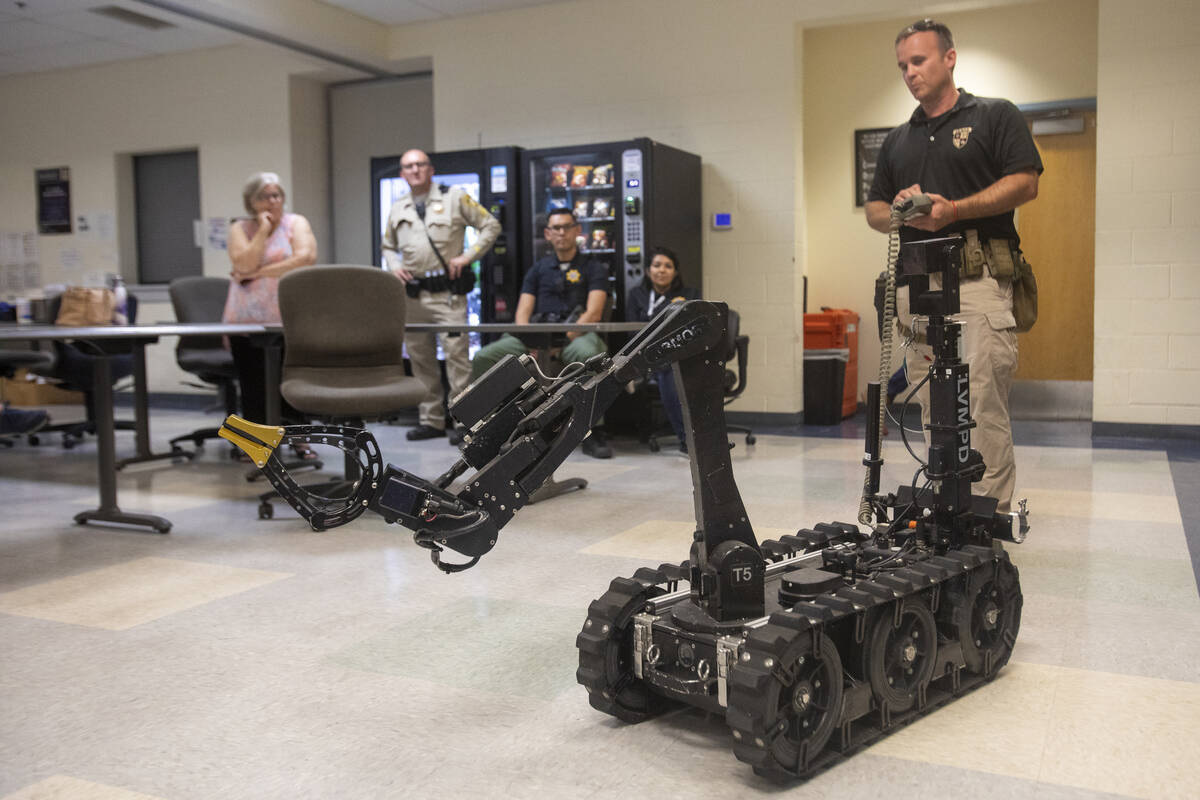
{"x":262,"y":249}
{"x":661,"y":286}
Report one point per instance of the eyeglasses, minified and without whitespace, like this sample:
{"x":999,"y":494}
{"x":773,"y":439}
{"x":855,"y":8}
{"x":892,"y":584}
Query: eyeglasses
{"x":562,"y":228}
{"x":415,"y":165}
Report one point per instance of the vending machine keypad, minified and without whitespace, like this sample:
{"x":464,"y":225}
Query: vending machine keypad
{"x":631,"y":174}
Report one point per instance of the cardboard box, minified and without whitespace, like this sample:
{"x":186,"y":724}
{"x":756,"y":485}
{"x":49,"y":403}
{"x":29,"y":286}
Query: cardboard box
{"x":20,"y":391}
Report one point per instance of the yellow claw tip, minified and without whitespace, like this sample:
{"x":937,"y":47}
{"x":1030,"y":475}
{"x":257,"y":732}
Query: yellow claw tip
{"x":256,"y":441}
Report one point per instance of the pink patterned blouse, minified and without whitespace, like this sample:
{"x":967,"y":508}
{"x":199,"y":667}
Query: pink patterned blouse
{"x":257,"y":300}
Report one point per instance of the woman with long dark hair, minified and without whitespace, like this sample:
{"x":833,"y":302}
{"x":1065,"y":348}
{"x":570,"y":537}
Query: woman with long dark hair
{"x":661,"y":286}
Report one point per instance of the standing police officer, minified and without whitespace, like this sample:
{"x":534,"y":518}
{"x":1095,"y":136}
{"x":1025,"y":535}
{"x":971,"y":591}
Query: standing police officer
{"x":975,"y":158}
{"x":423,"y":246}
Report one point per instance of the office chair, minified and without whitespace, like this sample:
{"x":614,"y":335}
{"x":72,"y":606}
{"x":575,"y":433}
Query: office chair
{"x":343,"y":329}
{"x":736,"y":346}
{"x":202,"y":299}
{"x":72,"y":367}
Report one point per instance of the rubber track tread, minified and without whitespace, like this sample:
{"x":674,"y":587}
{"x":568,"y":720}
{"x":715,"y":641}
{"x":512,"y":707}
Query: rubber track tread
{"x":750,"y":681}
{"x":614,"y":610}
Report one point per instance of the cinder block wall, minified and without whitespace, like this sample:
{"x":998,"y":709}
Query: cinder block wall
{"x":1147,"y":355}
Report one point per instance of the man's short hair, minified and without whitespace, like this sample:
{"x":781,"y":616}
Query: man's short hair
{"x":555,"y":212}
{"x":945,"y":38}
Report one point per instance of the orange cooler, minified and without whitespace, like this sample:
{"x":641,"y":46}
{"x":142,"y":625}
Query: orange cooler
{"x":835,"y":328}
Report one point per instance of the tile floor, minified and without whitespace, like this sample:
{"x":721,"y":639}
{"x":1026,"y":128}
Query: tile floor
{"x":239,"y":658}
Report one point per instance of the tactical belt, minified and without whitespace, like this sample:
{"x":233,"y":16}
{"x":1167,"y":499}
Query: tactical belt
{"x":438,"y":282}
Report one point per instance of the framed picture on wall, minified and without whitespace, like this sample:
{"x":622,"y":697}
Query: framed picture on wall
{"x":54,"y":200}
{"x":867,"y":142}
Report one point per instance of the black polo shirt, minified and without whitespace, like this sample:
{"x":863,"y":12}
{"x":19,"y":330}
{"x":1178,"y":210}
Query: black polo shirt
{"x":957,"y":154}
{"x":559,"y":291}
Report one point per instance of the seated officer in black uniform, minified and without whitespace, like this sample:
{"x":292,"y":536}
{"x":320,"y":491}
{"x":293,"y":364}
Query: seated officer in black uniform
{"x":567,"y":285}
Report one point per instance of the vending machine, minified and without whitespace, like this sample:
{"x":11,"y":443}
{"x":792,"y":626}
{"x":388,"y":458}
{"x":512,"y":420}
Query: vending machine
{"x":490,"y":176}
{"x":628,"y":197}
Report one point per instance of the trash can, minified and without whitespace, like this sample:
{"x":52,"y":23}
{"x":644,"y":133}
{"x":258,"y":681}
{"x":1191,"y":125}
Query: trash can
{"x":824,"y":382}
{"x":833,"y":328}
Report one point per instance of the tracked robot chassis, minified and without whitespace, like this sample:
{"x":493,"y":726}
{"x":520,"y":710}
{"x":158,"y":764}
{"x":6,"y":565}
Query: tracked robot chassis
{"x":811,"y":646}
{"x":814,"y":645}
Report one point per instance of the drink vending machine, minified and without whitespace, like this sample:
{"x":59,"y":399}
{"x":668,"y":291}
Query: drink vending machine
{"x":628,"y":196}
{"x":490,"y":176}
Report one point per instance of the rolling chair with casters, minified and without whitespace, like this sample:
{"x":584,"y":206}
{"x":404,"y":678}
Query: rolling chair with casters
{"x":736,"y":346}
{"x":202,"y":299}
{"x":72,"y":367}
{"x":343,"y":364}
{"x":10,"y":362}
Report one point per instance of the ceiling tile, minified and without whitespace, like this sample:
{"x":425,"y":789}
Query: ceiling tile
{"x":388,"y":12}
{"x":95,"y":25}
{"x":173,"y":40}
{"x":402,"y":12}
{"x":41,"y":8}
{"x":74,"y":54}
{"x":54,"y":34}
{"x":24,"y":34}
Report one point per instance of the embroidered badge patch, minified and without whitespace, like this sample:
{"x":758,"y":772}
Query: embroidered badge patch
{"x":573,"y":276}
{"x":960,"y":137}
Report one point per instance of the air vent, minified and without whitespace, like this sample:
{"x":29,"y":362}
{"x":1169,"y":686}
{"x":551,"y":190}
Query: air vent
{"x":132,"y":18}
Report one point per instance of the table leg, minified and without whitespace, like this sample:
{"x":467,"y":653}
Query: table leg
{"x":271,"y":379}
{"x":141,"y":410}
{"x":109,"y":511}
{"x":273,"y":408}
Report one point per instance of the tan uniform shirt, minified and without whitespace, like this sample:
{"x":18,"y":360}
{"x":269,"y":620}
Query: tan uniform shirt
{"x":447,"y":215}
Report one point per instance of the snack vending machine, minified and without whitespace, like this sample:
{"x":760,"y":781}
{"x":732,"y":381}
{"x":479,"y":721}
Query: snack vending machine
{"x":491,"y":177}
{"x":628,"y":197}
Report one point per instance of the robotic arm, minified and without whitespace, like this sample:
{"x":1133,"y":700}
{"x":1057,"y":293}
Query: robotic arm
{"x":521,"y":425}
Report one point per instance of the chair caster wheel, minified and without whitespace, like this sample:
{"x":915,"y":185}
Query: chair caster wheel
{"x":654,"y":446}
{"x":33,"y":439}
{"x":266,"y":511}
{"x":750,"y":439}
{"x":68,"y":444}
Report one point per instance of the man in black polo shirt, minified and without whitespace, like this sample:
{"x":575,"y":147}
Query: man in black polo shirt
{"x":975,"y":158}
{"x":565,"y":285}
